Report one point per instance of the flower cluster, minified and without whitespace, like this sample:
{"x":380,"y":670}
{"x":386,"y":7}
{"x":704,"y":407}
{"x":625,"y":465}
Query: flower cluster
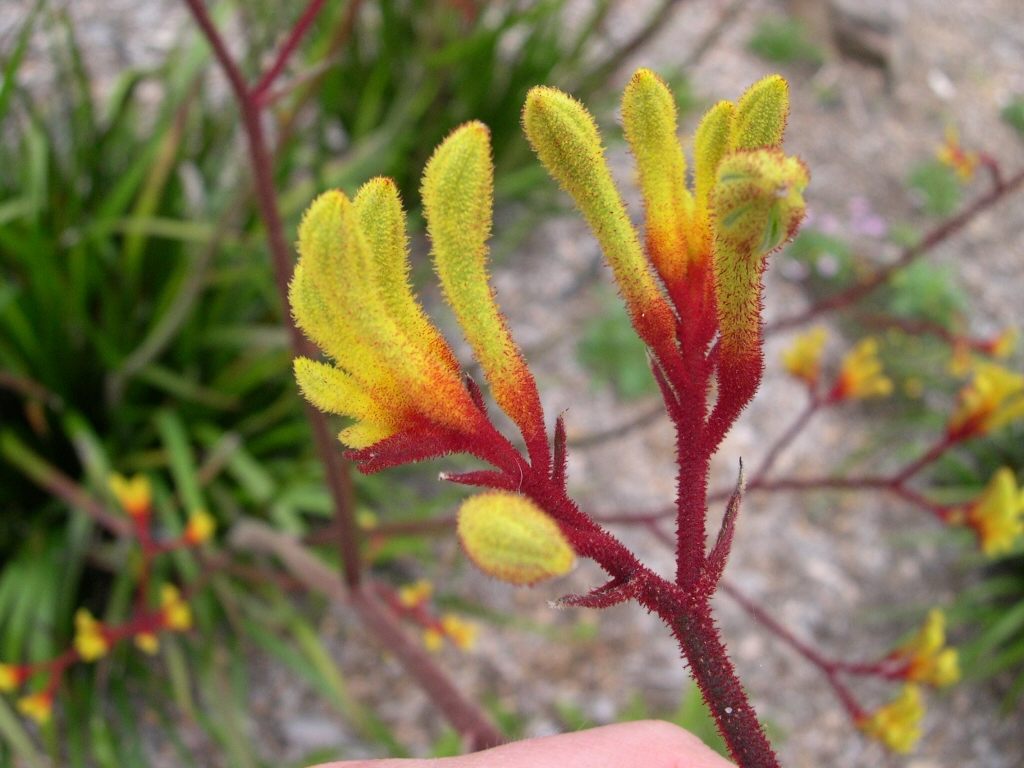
{"x":924,"y":659}
{"x":993,"y":398}
{"x":952,"y":154}
{"x":413,"y":601}
{"x":860,"y":375}
{"x":997,"y":515}
{"x":898,"y":723}
{"x":94,"y":639}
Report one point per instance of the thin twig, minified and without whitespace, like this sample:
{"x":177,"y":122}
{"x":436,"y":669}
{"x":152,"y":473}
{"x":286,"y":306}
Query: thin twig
{"x":338,"y":481}
{"x":826,"y":666}
{"x":943,"y":231}
{"x":644,"y":419}
{"x":785,"y":439}
{"x":315,"y":575}
{"x":287,"y":49}
{"x":52,"y":480}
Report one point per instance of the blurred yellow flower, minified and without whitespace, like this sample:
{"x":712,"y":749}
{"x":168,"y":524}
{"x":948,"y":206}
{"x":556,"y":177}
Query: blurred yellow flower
{"x":860,"y":376}
{"x":38,"y":706}
{"x":461,"y":633}
{"x":433,"y":639}
{"x":90,"y":640}
{"x":898,"y":723}
{"x":135,"y":495}
{"x":1002,"y":346}
{"x":993,"y":398}
{"x":176,"y":612}
{"x":416,"y":593}
{"x":147,"y":642}
{"x":10,"y":677}
{"x":200,"y":528}
{"x":952,"y":154}
{"x":998,"y":514}
{"x":803,"y":358}
{"x":930,"y":661}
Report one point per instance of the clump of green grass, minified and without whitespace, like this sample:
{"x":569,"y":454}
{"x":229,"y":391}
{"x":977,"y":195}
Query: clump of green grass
{"x":784,"y":40}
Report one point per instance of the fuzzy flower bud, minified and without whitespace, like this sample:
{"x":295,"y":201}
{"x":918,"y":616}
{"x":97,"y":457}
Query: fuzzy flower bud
{"x":997,"y":516}
{"x":201,"y":527}
{"x":897,"y":724}
{"x":860,"y":376}
{"x":90,"y":640}
{"x":135,"y":495}
{"x":38,"y":706}
{"x":803,"y":358}
{"x":510,"y":538}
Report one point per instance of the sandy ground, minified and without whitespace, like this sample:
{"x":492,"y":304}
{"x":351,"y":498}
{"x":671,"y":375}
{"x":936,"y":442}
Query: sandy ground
{"x":844,"y":572}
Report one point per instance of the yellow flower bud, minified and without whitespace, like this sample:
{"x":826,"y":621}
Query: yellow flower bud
{"x":135,"y":495}
{"x":997,"y":516}
{"x":510,"y":538}
{"x":929,"y":660}
{"x":200,"y":528}
{"x":38,"y":706}
{"x":993,"y":398}
{"x":461,"y":633}
{"x":803,"y":359}
{"x":433,"y":639}
{"x":416,"y":593}
{"x":147,"y":642}
{"x":90,"y":640}
{"x":861,"y":374}
{"x":175,"y":612}
{"x":10,"y":677}
{"x":897,"y":724}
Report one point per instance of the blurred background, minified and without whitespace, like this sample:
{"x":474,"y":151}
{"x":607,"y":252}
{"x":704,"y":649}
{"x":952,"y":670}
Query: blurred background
{"x":140,"y":332}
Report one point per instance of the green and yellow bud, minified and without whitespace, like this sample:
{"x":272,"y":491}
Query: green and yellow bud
{"x":363,"y":320}
{"x":565,"y":137}
{"x":649,"y":121}
{"x":710,"y":143}
{"x":761,"y":113}
{"x":756,"y":204}
{"x":510,"y":538}
{"x":382,"y":220}
{"x":457,"y":202}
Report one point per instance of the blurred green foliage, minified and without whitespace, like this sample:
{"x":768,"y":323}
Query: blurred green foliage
{"x":935,"y":187}
{"x":613,"y":354}
{"x":140,"y":331}
{"x":1013,"y":115}
{"x":784,"y":40}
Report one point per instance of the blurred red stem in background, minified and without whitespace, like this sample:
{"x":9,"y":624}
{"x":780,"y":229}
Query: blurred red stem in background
{"x":387,"y":629}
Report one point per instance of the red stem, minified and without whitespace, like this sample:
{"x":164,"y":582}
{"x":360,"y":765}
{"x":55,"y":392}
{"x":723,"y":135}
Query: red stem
{"x":295,"y":36}
{"x":462,"y":715}
{"x":828,"y":667}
